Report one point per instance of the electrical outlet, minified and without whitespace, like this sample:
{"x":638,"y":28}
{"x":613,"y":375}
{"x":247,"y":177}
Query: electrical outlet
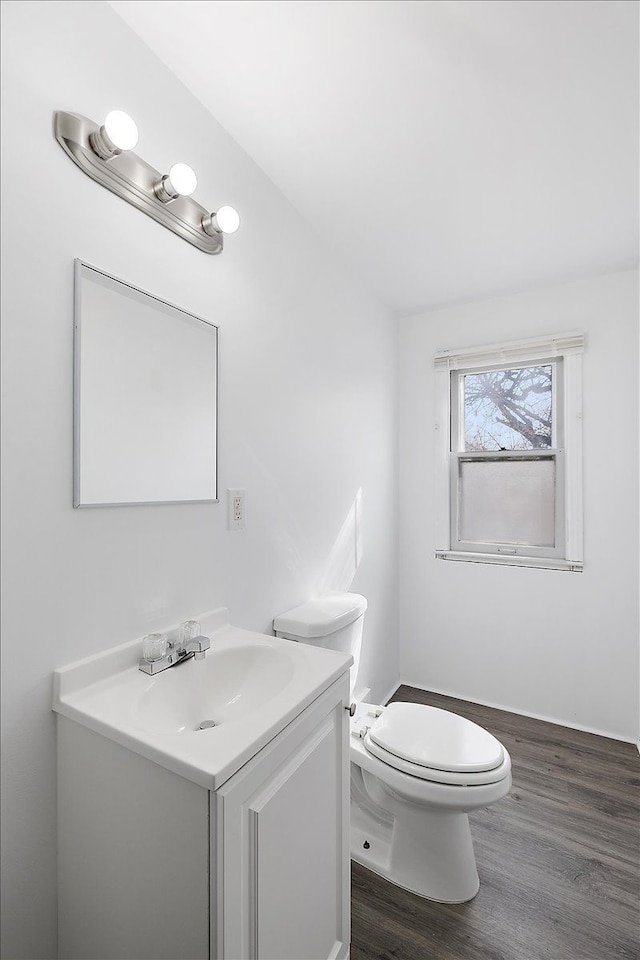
{"x":237,"y":508}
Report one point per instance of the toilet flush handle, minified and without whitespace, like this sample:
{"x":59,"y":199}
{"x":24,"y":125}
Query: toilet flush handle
{"x":352,"y":709}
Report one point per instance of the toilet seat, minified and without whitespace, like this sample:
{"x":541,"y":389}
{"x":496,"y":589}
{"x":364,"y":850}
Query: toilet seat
{"x":436,"y":745}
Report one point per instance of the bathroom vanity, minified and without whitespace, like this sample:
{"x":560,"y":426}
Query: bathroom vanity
{"x":178,"y":839}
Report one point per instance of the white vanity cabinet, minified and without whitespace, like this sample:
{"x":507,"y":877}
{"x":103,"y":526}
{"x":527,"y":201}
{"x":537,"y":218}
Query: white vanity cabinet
{"x":153,"y":866}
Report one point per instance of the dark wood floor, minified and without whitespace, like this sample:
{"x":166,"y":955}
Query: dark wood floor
{"x":558,"y":858}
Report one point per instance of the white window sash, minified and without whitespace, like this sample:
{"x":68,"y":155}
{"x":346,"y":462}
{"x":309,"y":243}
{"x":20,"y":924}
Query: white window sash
{"x":505,"y":548}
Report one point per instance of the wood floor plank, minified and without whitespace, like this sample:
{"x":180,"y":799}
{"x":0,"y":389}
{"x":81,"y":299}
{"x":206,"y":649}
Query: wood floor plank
{"x":558,"y":858}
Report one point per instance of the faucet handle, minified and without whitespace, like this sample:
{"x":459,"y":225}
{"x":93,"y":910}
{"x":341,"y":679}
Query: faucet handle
{"x":189,"y":630}
{"x":154,"y":646}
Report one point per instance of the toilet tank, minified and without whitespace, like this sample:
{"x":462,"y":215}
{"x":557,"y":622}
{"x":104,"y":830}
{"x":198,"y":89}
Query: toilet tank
{"x":334,"y":621}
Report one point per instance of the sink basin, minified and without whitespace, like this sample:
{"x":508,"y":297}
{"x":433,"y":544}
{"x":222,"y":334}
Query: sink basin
{"x":226,"y":686}
{"x":202,"y":719}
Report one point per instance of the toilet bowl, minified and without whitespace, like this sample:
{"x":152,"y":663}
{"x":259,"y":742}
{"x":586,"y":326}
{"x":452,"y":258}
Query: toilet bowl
{"x":416,"y":771}
{"x":409,"y":821}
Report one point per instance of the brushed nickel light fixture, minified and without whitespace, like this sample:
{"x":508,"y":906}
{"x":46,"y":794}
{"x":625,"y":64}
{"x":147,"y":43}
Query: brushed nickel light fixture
{"x":105,"y":153}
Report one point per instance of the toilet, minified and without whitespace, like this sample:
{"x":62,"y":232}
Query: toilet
{"x":416,"y":771}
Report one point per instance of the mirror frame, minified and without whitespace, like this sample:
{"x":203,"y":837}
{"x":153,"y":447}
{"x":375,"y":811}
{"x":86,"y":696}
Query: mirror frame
{"x":79,"y":266}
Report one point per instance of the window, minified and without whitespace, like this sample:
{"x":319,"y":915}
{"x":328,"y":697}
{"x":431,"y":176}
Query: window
{"x":509,"y":452}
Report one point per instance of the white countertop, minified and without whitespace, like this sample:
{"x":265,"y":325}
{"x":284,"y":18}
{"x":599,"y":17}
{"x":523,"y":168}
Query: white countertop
{"x":271,"y":681}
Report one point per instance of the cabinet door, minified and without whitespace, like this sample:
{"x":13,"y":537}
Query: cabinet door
{"x":282,"y":824}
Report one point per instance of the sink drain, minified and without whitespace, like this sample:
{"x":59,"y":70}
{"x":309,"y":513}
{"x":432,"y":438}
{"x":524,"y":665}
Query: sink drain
{"x":206,"y":724}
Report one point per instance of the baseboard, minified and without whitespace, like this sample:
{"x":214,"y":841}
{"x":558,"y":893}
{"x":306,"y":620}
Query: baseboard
{"x":522,"y":713}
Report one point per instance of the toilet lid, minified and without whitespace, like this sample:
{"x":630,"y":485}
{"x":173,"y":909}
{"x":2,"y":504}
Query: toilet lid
{"x":434,"y":738}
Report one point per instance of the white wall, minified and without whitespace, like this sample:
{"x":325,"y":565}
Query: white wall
{"x":562,"y":646}
{"x":307,"y":411}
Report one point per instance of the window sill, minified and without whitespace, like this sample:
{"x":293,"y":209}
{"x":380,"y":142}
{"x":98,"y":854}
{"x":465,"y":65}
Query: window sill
{"x":509,"y":560}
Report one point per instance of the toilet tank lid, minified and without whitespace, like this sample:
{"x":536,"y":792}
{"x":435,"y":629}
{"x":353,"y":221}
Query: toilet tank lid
{"x":319,"y":618}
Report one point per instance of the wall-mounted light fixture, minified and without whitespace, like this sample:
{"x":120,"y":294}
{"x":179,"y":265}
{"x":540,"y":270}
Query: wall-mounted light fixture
{"x":105,"y":153}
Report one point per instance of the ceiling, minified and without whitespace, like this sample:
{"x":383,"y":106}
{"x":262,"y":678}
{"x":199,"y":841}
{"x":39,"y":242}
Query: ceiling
{"x":449,"y":149}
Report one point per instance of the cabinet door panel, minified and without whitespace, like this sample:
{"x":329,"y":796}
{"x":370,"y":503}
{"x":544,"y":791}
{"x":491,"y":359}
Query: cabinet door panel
{"x":297,"y":862}
{"x":284,"y":828}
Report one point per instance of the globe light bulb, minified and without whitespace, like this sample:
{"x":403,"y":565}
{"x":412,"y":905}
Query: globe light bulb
{"x":117,"y":133}
{"x":183,"y":179}
{"x":227,"y":219}
{"x":121,"y":130}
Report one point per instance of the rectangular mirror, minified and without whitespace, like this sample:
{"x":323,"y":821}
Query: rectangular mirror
{"x":145,"y":397}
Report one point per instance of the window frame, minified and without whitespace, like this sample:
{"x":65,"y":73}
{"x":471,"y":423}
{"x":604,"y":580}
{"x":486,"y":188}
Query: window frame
{"x":554,"y":453}
{"x":451,"y":366}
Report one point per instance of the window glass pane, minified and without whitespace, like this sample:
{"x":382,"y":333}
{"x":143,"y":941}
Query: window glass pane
{"x":508,"y":409}
{"x":507,"y":501}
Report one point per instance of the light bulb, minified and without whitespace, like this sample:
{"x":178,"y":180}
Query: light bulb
{"x":228,"y":219}
{"x":117,"y":133}
{"x":121,"y":130}
{"x":183,"y":179}
{"x":225,"y":220}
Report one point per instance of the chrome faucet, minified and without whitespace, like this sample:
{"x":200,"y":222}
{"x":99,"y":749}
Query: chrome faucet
{"x":177,"y":652}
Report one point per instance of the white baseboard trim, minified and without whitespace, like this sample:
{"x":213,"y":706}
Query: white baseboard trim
{"x":523,"y":713}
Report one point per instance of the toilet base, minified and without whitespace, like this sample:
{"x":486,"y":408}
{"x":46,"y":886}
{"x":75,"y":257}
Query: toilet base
{"x":427,"y":852}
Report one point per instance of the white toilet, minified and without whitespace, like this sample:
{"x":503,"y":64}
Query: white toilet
{"x":416,"y":771}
